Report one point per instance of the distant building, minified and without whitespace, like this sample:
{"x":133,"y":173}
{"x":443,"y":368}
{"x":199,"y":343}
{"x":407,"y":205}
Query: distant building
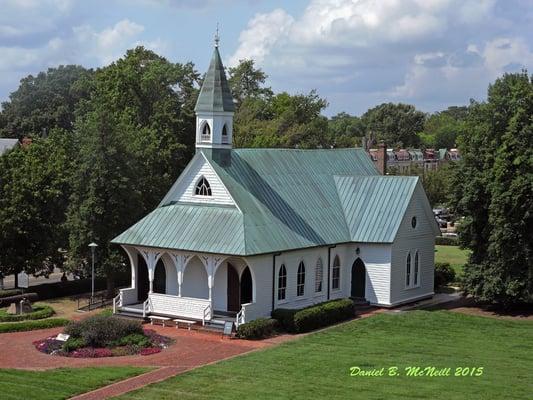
{"x":405,"y":161}
{"x":7,"y":144}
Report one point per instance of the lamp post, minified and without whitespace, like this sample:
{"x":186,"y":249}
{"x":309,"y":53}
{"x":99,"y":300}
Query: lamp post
{"x":93,"y":247}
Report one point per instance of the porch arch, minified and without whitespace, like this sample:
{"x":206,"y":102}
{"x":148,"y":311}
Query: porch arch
{"x":195,"y":280}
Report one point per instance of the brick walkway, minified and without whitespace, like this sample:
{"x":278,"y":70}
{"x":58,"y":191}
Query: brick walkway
{"x":190,"y":350}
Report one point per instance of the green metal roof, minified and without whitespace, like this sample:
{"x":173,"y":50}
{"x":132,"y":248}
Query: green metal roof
{"x":189,"y":227}
{"x":215,"y":95}
{"x":286,"y":199}
{"x":374,"y":205}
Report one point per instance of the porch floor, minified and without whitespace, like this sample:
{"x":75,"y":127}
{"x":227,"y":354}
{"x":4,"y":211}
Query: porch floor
{"x":219,"y":317}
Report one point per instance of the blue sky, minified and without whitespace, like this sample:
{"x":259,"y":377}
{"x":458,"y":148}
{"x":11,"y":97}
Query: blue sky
{"x":356,"y":53}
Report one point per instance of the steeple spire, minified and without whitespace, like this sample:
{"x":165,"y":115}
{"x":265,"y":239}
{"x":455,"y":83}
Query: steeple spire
{"x":217,"y":37}
{"x":214,"y":107}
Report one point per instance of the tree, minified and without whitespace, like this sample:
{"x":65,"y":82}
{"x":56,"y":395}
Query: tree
{"x":438,"y":184}
{"x":345,"y":130}
{"x":494,"y":191}
{"x":396,"y":124}
{"x":135,"y":134}
{"x":442,"y":129}
{"x":246,"y":81}
{"x":34,"y":191}
{"x":44,"y":102}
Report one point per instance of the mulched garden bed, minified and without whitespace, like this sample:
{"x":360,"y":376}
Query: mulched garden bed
{"x":52,"y":346}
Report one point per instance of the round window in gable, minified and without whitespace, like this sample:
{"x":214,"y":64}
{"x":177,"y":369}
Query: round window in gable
{"x":413,"y":222}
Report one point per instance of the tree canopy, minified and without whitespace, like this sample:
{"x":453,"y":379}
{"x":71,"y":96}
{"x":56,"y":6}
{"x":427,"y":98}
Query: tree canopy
{"x":44,"y":102}
{"x":494,"y":191}
{"x":396,"y":124}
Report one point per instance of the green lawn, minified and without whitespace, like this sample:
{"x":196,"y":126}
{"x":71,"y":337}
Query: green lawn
{"x":317,"y":366}
{"x":453,"y":255}
{"x":59,"y":383}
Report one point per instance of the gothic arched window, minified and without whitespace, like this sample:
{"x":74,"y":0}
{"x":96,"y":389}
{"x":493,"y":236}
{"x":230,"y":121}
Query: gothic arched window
{"x":282,"y":282}
{"x":408,"y":270}
{"x":202,"y":187}
{"x":336,"y":279}
{"x":300,"y":280}
{"x":206,"y":132}
{"x":319,"y":273}
{"x":224,"y":134}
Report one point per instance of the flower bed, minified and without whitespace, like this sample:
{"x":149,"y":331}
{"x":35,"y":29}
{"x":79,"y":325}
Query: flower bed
{"x":104,"y":336}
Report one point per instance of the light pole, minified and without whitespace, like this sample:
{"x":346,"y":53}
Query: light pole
{"x":93,"y":247}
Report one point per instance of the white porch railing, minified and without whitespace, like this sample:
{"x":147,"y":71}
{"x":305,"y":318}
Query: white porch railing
{"x":247,"y":313}
{"x":124,"y":297}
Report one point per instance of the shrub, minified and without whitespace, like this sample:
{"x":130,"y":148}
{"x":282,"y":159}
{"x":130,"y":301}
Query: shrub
{"x":9,"y":292}
{"x":102,"y":330}
{"x":444,"y":274}
{"x":135,"y":339}
{"x":6,"y":301}
{"x":257,"y":329}
{"x":285,"y":317}
{"x":315,"y":316}
{"x":32,"y":325}
{"x":150,"y":350}
{"x":73,"y":343}
{"x":323,"y":315}
{"x":446,"y":241}
{"x":40,"y":311}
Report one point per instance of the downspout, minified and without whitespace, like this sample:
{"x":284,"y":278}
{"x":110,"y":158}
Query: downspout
{"x":329,"y":265}
{"x":274,"y":277}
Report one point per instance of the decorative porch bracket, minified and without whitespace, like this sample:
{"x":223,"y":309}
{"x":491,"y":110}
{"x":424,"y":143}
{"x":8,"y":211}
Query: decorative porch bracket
{"x":211,"y":264}
{"x":180,"y":261}
{"x":151,"y":257}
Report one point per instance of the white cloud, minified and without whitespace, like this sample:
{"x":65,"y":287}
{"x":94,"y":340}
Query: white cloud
{"x":423,"y":51}
{"x":261,"y":35}
{"x":110,"y":43}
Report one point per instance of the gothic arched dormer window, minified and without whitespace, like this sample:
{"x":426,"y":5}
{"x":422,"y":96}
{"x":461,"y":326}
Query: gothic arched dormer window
{"x":202,"y":187}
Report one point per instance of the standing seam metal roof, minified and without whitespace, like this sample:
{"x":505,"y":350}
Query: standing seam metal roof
{"x":215,"y":94}
{"x":287,"y":199}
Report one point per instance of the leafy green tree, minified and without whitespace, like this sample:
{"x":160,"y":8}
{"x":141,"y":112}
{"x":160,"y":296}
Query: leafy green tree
{"x":442,"y":129}
{"x":246,"y":82}
{"x":345,"y":130}
{"x":396,"y":124}
{"x":438,"y":184}
{"x":494,"y":191}
{"x":135,"y":134}
{"x":44,"y":102}
{"x":34,"y":192}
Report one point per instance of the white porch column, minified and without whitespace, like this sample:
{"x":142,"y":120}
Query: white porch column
{"x":180,"y":261}
{"x":132,"y":255}
{"x":211,"y":264}
{"x":151,"y":257}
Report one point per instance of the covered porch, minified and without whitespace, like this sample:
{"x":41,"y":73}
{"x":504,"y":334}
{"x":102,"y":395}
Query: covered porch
{"x":206,"y":288}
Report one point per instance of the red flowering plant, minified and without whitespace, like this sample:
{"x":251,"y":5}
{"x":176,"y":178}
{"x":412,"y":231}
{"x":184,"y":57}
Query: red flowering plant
{"x":104,"y":336}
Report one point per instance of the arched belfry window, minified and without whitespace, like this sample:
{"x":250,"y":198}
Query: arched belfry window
{"x":206,"y":132}
{"x":224,"y":134}
{"x":202,"y":187}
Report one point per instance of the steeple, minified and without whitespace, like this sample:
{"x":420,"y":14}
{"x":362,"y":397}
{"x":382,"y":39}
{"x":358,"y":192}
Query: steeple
{"x":214,"y":107}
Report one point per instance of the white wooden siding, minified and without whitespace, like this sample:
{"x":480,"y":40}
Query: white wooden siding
{"x":187,"y":185}
{"x":195,"y":280}
{"x":421,"y":238}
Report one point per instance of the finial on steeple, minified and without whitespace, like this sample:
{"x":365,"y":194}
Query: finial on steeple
{"x":217,"y":37}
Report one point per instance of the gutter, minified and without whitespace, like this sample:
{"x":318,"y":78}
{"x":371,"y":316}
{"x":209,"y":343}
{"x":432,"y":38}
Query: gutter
{"x":329,"y":265}
{"x":274,"y":277}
